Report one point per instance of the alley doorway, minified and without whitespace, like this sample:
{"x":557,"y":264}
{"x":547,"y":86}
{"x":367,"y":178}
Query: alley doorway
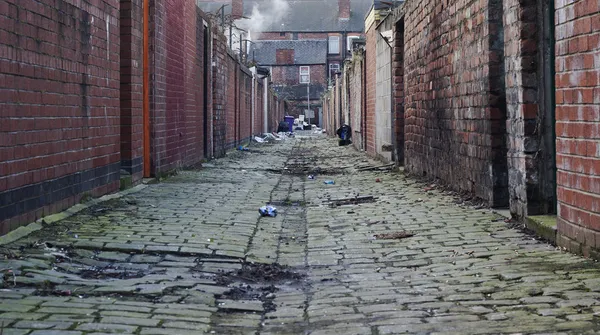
{"x":547,"y":103}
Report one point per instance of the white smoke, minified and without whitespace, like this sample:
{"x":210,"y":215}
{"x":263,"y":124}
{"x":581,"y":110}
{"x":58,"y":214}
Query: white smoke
{"x":268,"y":14}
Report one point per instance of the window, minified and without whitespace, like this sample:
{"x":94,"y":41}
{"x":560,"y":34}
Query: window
{"x":304,"y":74}
{"x":334,"y":44}
{"x":350,"y":39}
{"x":333,"y":69}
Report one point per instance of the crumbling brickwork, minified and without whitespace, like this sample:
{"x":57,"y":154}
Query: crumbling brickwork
{"x":454,"y":95}
{"x":59,"y":105}
{"x":398,"y":90}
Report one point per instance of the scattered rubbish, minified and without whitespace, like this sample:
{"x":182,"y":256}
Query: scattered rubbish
{"x":268,"y":211}
{"x":259,"y":139}
{"x":242,"y":148}
{"x":394,"y":236}
{"x":378,"y":180}
{"x":311,"y":177}
{"x":351,"y":201}
{"x":380,"y":167}
{"x":329,"y":182}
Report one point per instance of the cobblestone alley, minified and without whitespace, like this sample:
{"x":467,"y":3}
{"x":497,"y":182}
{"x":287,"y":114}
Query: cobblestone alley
{"x":190,"y":255}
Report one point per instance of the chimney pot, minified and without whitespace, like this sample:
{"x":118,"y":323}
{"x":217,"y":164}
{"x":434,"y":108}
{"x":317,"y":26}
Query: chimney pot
{"x":237,"y":9}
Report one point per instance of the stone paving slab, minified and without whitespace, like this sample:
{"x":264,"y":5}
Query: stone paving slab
{"x":170,"y":258}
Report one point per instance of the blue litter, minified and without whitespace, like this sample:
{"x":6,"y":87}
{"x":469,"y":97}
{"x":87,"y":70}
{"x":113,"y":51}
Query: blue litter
{"x":241,"y":148}
{"x":329,"y":182}
{"x":268,"y":211}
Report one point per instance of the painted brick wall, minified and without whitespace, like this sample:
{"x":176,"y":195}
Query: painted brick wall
{"x":131,"y":93}
{"x":578,"y":124}
{"x":370,"y":87}
{"x":59,"y":105}
{"x":383,"y":94}
{"x":259,"y":107}
{"x":355,"y":69}
{"x":455,"y":114}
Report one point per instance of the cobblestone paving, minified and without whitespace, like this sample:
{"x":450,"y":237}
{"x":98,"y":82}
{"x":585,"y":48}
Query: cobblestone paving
{"x":183,"y":257}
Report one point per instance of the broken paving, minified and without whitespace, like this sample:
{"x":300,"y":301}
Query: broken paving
{"x":191,"y":255}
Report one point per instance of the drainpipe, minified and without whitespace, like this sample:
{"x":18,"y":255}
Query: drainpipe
{"x":266,"y":105}
{"x":253,"y":107}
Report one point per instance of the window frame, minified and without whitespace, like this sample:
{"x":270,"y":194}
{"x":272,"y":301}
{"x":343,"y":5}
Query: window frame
{"x":349,"y":40}
{"x":337,"y":67}
{"x":306,"y":72}
{"x":329,"y":44}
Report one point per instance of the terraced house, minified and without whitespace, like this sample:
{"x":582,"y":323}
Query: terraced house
{"x":303,"y":43}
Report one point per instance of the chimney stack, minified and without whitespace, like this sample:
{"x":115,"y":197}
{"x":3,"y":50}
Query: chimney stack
{"x":237,"y":9}
{"x":344,"y":9}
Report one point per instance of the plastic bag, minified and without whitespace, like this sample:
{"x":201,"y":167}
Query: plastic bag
{"x":268,"y":211}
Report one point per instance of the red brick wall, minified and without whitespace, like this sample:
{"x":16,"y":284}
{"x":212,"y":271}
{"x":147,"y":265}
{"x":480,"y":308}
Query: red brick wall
{"x":131,"y":93}
{"x":398,"y":90}
{"x":290,"y":75}
{"x":455,"y":114}
{"x":370,"y":85}
{"x":285,"y":56}
{"x":232,"y":103}
{"x":220,"y":78}
{"x":274,"y":36}
{"x":59,"y":105}
{"x":312,"y":36}
{"x":578,"y":123}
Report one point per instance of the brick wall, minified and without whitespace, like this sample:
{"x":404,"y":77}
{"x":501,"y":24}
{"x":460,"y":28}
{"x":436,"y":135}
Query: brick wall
{"x":454,"y":99}
{"x":356,"y":69}
{"x":383,"y":93}
{"x":71,"y":99}
{"x":578,"y":125}
{"x":398,"y":91}
{"x":290,"y":75}
{"x":220,"y":82}
{"x":176,"y":108}
{"x":131,"y":93}
{"x":370,"y":87}
{"x":274,"y":36}
{"x":312,"y":36}
{"x":59,"y":105}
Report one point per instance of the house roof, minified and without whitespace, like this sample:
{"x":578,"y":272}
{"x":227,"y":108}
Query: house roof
{"x":305,"y":51}
{"x":303,"y":15}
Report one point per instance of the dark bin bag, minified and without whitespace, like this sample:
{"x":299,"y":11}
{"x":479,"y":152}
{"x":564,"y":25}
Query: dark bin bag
{"x":345,"y":134}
